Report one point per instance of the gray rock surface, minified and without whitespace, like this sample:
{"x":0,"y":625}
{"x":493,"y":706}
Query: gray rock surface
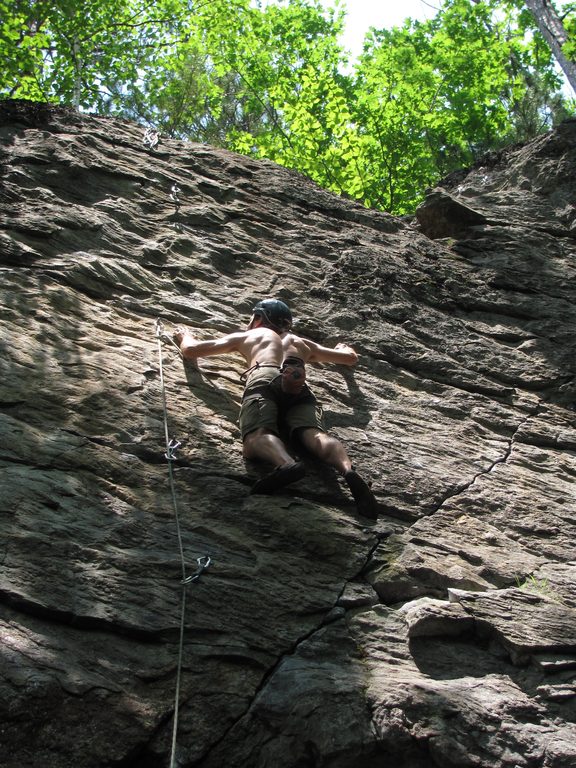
{"x":444,"y":634}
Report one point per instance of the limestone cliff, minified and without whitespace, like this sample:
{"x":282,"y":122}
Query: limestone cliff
{"x":442,"y":635}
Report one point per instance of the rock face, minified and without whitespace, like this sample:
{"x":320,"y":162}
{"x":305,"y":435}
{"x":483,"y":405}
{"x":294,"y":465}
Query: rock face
{"x":442,"y":635}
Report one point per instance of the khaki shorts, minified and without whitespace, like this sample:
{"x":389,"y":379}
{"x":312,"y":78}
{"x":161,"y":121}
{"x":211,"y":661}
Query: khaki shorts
{"x":265,"y":406}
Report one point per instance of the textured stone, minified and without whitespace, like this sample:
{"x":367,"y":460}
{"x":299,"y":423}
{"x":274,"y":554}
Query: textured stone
{"x":444,"y":634}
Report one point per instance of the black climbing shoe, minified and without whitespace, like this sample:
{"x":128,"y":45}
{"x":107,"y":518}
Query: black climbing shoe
{"x":366,"y":503}
{"x":280,"y":477}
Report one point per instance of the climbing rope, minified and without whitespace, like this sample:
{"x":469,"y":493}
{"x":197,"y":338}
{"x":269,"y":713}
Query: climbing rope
{"x":202,"y":563}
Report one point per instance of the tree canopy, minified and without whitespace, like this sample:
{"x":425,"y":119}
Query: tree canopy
{"x":273,"y":81}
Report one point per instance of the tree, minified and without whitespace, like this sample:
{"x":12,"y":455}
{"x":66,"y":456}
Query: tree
{"x":77,"y":51}
{"x":424,"y":99}
{"x":249,"y":63}
{"x":556,"y":35}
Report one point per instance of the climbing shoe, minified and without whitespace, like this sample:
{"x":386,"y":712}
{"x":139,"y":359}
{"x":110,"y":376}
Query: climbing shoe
{"x":366,"y":503}
{"x":280,"y":477}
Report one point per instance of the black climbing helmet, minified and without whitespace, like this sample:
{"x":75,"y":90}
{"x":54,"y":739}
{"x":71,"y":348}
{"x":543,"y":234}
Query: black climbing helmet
{"x":276,"y":313}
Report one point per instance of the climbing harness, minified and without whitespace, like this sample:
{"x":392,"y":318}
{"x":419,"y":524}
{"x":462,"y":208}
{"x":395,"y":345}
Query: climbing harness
{"x":244,"y":375}
{"x":202,"y":563}
{"x":286,"y":388}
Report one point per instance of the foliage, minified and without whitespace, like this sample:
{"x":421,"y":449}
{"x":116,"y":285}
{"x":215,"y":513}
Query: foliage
{"x":73,"y":51}
{"x":432,"y":96}
{"x":239,"y":68}
{"x":422,"y":101}
{"x":569,"y":21}
{"x":273,"y":81}
{"x":539,"y":587}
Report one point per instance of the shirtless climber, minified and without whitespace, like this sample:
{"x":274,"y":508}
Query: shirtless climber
{"x":276,"y":393}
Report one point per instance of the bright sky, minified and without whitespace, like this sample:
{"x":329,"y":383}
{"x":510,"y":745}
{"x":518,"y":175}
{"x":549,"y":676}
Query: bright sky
{"x":362,"y":14}
{"x":382,"y":14}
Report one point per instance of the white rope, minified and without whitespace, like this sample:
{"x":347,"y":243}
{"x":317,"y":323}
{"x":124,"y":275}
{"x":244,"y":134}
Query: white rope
{"x":202,"y":562}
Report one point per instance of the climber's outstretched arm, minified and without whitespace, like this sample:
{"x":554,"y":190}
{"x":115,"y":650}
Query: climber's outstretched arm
{"x":192,"y":348}
{"x":341,"y":354}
